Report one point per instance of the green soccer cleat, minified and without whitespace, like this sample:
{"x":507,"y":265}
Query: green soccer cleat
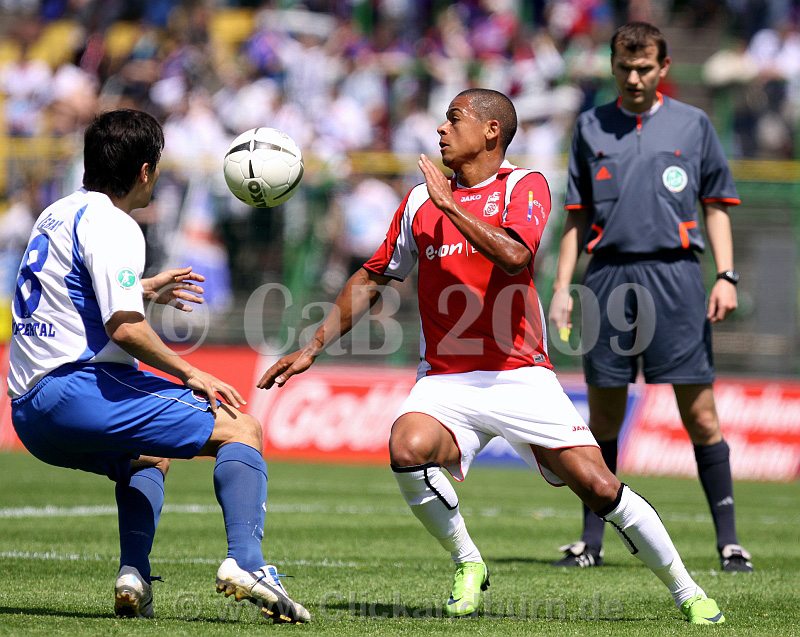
{"x":471,"y":578}
{"x":702,"y":610}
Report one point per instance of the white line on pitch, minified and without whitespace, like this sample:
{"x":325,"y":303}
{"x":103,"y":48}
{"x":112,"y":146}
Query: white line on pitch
{"x":94,"y":557}
{"x":484,"y":512}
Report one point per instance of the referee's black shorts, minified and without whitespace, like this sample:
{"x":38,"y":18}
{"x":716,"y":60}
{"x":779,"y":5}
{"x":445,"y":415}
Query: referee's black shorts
{"x":663,"y":294}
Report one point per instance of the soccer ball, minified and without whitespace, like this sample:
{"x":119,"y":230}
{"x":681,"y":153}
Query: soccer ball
{"x":263,"y":167}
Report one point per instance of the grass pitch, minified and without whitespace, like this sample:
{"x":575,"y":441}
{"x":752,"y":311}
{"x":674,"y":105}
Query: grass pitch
{"x":362,"y":564}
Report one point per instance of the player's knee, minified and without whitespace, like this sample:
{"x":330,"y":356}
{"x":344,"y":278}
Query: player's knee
{"x":411,"y":450}
{"x":601,"y":492}
{"x":251,"y":429}
{"x":163,"y":466}
{"x":235,"y":426}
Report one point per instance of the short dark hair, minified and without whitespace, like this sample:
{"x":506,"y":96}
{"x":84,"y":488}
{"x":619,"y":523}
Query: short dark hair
{"x":635,"y":36}
{"x":115,"y":146}
{"x":489,"y":104}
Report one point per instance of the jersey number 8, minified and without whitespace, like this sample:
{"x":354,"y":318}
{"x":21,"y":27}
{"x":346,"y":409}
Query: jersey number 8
{"x":24,"y":308}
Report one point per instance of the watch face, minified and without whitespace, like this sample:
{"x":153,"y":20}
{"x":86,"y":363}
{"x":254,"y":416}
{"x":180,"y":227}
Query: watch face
{"x":729,"y":275}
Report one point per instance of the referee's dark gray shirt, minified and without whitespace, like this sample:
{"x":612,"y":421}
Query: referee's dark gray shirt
{"x":640,"y":177}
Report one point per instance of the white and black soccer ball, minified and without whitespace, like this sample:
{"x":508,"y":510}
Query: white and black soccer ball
{"x":263,"y":167}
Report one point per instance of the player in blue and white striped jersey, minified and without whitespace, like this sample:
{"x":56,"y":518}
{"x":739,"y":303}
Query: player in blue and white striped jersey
{"x":78,"y":398}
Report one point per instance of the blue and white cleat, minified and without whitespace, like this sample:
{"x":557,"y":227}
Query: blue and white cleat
{"x":133,"y":597}
{"x":262,"y":587}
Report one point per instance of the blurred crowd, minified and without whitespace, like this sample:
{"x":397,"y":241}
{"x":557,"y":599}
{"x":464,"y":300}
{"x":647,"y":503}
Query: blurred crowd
{"x":758,"y":68}
{"x":340,"y":77}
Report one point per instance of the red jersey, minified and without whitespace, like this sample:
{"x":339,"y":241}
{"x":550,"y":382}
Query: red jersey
{"x":474,"y":316}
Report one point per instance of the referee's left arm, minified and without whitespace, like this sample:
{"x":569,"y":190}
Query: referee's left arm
{"x":723,"y":298}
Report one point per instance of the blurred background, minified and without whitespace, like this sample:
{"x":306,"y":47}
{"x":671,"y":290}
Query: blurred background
{"x":361,"y":86}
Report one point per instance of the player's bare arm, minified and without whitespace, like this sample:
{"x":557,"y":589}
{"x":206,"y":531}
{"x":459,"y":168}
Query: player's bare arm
{"x":359,"y":294}
{"x":723,"y":298}
{"x":496,"y":244}
{"x":568,"y":253}
{"x":132,"y":333}
{"x":172,"y":287}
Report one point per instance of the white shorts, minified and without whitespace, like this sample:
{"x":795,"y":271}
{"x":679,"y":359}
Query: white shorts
{"x":526,"y":406}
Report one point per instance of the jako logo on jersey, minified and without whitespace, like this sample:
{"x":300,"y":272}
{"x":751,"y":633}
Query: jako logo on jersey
{"x":199,"y":396}
{"x":448,"y":250}
{"x":126,"y":278}
{"x":675,"y":178}
{"x":491,"y":208}
{"x":471,"y":197}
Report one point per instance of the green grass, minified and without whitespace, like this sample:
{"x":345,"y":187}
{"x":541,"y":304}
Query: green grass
{"x":362,"y":564}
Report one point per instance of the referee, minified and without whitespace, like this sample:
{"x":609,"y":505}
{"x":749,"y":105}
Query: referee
{"x":637,"y":168}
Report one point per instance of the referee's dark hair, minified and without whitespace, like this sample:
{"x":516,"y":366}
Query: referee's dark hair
{"x":635,"y":36}
{"x":489,"y":104}
{"x":115,"y":146}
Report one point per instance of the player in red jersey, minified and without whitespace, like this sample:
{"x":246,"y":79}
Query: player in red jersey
{"x":484,"y":369}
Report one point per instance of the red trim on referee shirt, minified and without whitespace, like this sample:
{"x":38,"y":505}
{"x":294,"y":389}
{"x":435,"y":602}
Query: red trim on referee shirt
{"x":590,"y":246}
{"x":728,"y":200}
{"x":659,"y":98}
{"x":683,"y":231}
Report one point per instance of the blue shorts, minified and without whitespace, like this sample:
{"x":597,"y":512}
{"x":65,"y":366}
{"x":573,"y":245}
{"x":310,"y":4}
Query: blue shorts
{"x":679,"y":351}
{"x":99,"y":417}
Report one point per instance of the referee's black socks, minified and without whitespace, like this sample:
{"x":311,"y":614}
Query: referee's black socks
{"x":714,"y":469}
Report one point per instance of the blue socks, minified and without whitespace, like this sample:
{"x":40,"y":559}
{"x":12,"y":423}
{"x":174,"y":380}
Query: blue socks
{"x":139,"y":506}
{"x":240,"y":482}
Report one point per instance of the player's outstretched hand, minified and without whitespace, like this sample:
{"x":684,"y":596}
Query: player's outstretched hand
{"x":172,"y":287}
{"x":211,"y":386}
{"x":438,"y":185}
{"x":285,"y":368}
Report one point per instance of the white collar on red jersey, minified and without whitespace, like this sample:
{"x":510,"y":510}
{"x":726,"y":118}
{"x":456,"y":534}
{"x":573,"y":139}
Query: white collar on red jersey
{"x":505,"y":168}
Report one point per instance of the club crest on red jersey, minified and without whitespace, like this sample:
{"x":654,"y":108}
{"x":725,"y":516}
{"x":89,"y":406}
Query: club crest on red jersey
{"x":491,"y":208}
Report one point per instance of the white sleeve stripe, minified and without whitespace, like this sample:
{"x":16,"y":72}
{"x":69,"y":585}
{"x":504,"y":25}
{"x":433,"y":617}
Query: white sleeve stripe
{"x":511,"y":182}
{"x":404,"y":255}
{"x":177,"y":400}
{"x":543,"y":320}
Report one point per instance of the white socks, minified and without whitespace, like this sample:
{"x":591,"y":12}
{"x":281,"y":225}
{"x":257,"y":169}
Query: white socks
{"x":643,"y":533}
{"x":433,"y":500}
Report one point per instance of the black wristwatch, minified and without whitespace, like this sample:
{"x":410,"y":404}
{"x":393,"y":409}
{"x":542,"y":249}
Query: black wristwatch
{"x":731,"y":276}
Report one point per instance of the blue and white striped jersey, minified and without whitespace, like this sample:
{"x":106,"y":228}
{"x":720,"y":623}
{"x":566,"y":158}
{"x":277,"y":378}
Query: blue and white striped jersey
{"x":84,"y":262}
